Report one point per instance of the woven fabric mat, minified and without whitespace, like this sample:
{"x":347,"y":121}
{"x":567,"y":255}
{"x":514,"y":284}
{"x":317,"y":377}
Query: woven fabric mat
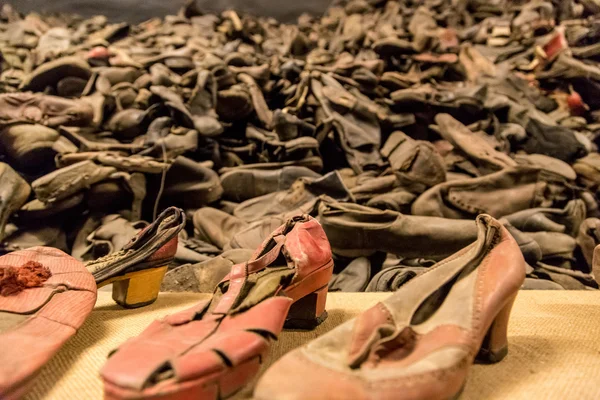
{"x":554,"y":346}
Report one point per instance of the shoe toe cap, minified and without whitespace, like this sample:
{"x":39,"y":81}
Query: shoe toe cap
{"x":297,"y":377}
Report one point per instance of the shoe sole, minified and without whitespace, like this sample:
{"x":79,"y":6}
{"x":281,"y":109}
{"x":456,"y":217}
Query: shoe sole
{"x":219,"y":386}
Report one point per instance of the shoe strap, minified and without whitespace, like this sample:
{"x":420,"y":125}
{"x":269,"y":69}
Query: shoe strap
{"x":240,"y":272}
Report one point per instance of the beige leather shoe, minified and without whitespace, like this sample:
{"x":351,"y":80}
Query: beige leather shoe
{"x":419,"y":343}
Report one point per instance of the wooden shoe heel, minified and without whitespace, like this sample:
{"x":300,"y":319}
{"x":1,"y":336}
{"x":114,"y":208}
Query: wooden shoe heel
{"x":309,"y":311}
{"x":495,"y":344}
{"x":138,"y":289}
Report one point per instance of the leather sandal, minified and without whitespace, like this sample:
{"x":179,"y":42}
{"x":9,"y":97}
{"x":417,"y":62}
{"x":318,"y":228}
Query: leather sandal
{"x":213,"y":349}
{"x":137,"y":270}
{"x":420,"y":342}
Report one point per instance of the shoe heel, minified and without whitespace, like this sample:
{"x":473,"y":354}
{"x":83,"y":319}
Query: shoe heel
{"x":138,"y":289}
{"x":495,"y":344}
{"x":308,"y":312}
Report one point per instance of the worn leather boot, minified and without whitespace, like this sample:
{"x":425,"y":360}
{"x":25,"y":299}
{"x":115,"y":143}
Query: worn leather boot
{"x":566,"y":220}
{"x":29,"y":146}
{"x":240,"y":185}
{"x":67,"y":181}
{"x":354,"y":230}
{"x":485,"y":158}
{"x":217,"y":227}
{"x":588,"y":171}
{"x":357,"y":127}
{"x":51,"y":74}
{"x":256,"y":232}
{"x":35,"y":210}
{"x":416,"y":163}
{"x":188,"y":184}
{"x":498,"y":194}
{"x":300,"y":198}
{"x":43,"y":109}
{"x":50,"y":234}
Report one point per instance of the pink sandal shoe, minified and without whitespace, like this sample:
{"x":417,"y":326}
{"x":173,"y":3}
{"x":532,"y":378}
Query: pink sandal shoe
{"x":213,"y":349}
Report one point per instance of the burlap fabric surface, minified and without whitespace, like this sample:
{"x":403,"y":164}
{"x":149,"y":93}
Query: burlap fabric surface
{"x":554,"y":346}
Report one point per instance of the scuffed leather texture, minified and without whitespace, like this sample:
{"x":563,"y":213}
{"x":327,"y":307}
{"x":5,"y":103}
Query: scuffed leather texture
{"x":243,"y":185}
{"x":27,"y":144}
{"x":216,"y":227}
{"x":50,"y":73}
{"x":550,"y":164}
{"x":53,"y":314}
{"x":365,"y":230}
{"x":70,"y":180}
{"x":253,"y":235}
{"x":414,"y":160}
{"x":567,"y":220}
{"x":189,"y":184}
{"x":132,"y":163}
{"x":357,"y":129}
{"x":215,"y":347}
{"x":390,"y":352}
{"x":299,"y":199}
{"x":43,"y":109}
{"x":476,"y":149}
{"x":501,"y":193}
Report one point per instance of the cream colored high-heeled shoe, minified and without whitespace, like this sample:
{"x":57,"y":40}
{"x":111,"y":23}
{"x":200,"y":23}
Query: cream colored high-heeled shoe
{"x":420,"y":342}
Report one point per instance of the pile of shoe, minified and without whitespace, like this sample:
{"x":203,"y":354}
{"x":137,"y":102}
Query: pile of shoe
{"x":395,"y":124}
{"x":415,"y":339}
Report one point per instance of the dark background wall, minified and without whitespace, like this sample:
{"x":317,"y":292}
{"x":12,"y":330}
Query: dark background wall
{"x":139,"y":10}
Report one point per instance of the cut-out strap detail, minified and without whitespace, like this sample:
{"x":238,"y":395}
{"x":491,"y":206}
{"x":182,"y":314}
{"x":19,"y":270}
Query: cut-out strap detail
{"x":239,"y":273}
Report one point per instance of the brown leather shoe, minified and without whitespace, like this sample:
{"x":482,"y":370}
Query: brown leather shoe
{"x":29,"y":146}
{"x":420,"y":342}
{"x":45,"y":296}
{"x":240,"y":185}
{"x":213,"y":349}
{"x":355,"y":230}
{"x":14,"y":192}
{"x":501,"y":193}
{"x":43,"y":109}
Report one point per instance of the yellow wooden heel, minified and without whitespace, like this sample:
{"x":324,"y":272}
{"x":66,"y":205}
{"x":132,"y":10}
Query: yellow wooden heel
{"x":138,"y":289}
